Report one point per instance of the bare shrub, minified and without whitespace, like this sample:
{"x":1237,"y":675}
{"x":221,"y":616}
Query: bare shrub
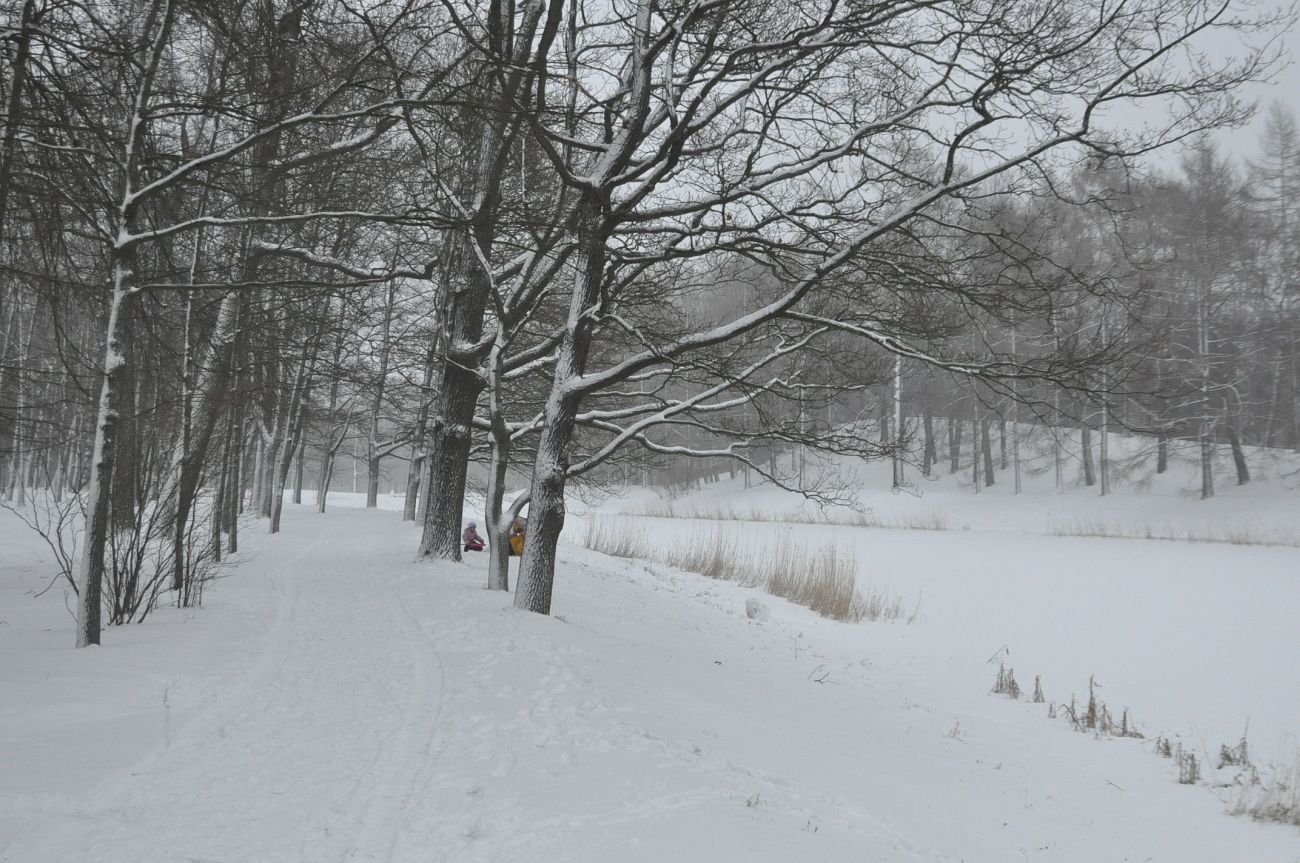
{"x":139,"y":572}
{"x":58,"y":520}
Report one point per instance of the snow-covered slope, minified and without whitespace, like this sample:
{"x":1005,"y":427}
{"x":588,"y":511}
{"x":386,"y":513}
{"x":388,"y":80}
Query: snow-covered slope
{"x":1198,"y":638}
{"x":337,"y":701}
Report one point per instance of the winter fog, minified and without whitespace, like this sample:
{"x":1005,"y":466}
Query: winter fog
{"x":649,"y":430}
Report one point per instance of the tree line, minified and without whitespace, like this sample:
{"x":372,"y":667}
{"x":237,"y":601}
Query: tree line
{"x":571,"y":242}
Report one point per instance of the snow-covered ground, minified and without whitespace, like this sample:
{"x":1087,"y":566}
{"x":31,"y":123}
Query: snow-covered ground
{"x":335,"y":700}
{"x":1198,"y":638}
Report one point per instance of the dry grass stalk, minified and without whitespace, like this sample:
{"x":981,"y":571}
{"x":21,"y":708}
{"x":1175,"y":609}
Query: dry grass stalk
{"x":1006,"y":683}
{"x":727,"y":511}
{"x":1277,"y":800}
{"x":824,"y":579}
{"x":1225,"y":534}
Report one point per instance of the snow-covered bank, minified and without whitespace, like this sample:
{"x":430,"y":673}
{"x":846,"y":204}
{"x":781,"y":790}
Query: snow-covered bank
{"x":345,"y":703}
{"x":1199,"y":638}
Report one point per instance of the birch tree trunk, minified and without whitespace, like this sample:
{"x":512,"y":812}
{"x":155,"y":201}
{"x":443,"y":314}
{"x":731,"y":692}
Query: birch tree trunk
{"x":898,"y":478}
{"x":373,"y":456}
{"x":420,"y":444}
{"x":90,"y":573}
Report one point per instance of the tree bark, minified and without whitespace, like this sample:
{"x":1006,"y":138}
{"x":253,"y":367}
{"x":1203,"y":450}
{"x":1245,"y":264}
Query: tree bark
{"x":1238,"y":455}
{"x":1089,"y":472}
{"x":954,"y":445}
{"x":987,"y":450}
{"x":546,"y":494}
{"x":90,"y":575}
{"x":931,"y":450}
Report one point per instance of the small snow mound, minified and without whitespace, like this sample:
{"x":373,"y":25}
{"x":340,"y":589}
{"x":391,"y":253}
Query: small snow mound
{"x":755,"y":609}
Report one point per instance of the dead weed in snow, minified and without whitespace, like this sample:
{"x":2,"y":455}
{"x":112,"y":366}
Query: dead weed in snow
{"x":821,"y":579}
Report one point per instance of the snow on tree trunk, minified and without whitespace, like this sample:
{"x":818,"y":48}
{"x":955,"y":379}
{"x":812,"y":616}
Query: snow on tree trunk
{"x":298,"y":471}
{"x":498,"y":528}
{"x":449,"y":442}
{"x":545,"y":511}
{"x":546,"y":494}
{"x":898,"y":478}
{"x":90,"y":572}
{"x":413,"y":474}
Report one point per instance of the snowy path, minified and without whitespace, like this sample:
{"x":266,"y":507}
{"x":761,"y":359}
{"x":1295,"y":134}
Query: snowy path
{"x":382,"y":709}
{"x":312,"y":755}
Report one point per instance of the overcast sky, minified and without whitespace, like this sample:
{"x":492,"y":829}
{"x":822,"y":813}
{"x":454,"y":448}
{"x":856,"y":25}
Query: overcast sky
{"x":1241,"y":144}
{"x":1286,"y":89}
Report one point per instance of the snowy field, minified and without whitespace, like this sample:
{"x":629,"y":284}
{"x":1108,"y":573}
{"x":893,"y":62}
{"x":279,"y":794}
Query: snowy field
{"x":335,"y":700}
{"x":1198,"y":638}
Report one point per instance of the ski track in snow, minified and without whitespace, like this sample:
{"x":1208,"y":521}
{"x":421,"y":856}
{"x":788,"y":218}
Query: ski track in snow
{"x":325,"y":736}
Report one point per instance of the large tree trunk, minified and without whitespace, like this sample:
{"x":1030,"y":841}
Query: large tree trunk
{"x":498,"y":528}
{"x":448,"y":459}
{"x":546,"y":494}
{"x":452,"y":408}
{"x":545,"y":509}
{"x":469,"y":288}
